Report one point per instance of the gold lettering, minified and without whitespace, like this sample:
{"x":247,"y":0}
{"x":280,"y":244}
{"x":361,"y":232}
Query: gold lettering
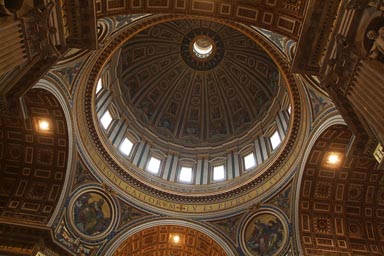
{"x":116,"y":180}
{"x":193,"y":208}
{"x":108,"y":173}
{"x":208,"y":208}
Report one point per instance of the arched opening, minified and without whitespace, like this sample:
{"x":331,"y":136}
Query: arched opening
{"x":33,"y":160}
{"x":169,"y":237}
{"x":340,"y":199}
{"x":13,"y":5}
{"x":170,"y":240}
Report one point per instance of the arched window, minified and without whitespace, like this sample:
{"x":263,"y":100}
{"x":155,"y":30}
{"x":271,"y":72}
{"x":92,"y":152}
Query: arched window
{"x":218,"y":173}
{"x":185,"y":174}
{"x":154,"y":165}
{"x":106,"y":119}
{"x":275,"y":140}
{"x":126,"y":146}
{"x":99,"y":86}
{"x":249,"y":161}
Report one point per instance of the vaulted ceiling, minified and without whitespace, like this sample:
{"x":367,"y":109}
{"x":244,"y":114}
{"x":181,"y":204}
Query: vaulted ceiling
{"x":33,"y":162}
{"x":195,"y":101}
{"x":285,"y":17}
{"x":160,"y":240}
{"x":341,"y":207}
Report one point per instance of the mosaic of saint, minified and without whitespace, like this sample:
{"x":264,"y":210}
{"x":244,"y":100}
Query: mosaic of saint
{"x":264,"y":235}
{"x":91,"y":213}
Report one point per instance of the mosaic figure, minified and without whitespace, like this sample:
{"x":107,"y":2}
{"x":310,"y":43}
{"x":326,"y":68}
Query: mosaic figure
{"x":264,"y":235}
{"x":92,"y":214}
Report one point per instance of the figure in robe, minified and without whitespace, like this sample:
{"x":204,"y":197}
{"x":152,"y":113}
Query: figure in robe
{"x":377,"y":49}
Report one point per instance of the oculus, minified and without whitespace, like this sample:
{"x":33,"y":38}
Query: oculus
{"x":202,"y":47}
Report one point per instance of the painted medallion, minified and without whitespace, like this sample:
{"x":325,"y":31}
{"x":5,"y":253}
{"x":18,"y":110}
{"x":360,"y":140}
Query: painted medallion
{"x":264,"y":235}
{"x":92,"y":213}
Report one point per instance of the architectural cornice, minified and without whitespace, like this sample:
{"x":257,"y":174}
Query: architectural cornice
{"x":155,"y":198}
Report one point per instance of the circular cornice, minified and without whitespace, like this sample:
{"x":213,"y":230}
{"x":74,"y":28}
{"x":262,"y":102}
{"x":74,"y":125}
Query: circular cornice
{"x":156,"y":199}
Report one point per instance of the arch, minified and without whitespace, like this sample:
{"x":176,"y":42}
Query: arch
{"x":34,"y":160}
{"x":7,"y":7}
{"x":333,"y":120}
{"x":339,"y":204}
{"x":188,"y":229}
{"x":13,"y":5}
{"x":59,"y":94}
